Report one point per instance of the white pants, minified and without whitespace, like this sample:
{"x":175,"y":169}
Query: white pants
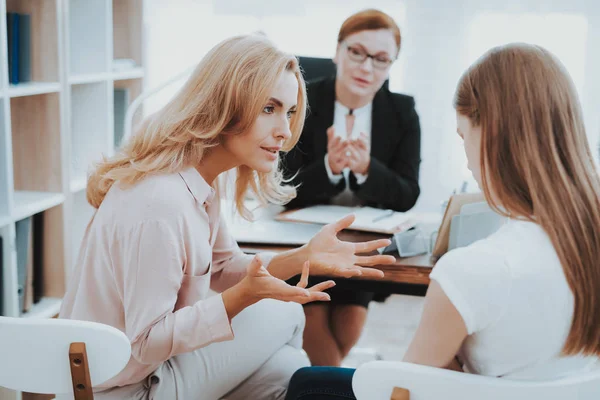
{"x":257,"y":364}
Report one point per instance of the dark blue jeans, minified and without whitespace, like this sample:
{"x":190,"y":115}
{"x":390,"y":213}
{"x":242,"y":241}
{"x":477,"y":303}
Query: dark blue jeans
{"x":321,"y":383}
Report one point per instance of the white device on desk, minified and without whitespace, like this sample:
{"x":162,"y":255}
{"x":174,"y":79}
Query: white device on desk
{"x":408,"y":243}
{"x":474,"y":222}
{"x":467,"y":218}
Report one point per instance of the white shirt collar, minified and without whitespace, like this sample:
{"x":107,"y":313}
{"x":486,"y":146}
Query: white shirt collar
{"x":366,"y":109}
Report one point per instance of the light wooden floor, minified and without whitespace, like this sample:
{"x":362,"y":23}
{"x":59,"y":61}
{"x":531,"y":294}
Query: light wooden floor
{"x":389,"y":329}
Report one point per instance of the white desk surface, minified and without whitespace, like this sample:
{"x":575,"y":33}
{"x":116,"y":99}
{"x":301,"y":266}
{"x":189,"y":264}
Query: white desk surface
{"x":266,"y":230}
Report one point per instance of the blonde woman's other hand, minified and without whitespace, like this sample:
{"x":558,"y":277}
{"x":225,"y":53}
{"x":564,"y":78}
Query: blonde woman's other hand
{"x":259,"y":284}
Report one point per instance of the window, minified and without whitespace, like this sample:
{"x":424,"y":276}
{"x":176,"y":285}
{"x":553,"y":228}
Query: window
{"x":180,"y":32}
{"x":565,"y":35}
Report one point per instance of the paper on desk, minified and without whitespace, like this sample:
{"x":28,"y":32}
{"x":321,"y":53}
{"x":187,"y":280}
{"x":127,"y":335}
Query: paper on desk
{"x":367,"y":218}
{"x":273,"y":232}
{"x":265,"y":229}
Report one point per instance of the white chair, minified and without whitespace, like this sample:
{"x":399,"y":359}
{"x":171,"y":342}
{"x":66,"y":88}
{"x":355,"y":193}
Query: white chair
{"x":389,"y":380}
{"x":62,"y":357}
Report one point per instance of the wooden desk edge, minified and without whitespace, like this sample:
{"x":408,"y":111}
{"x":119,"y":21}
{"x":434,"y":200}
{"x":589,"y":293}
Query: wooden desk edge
{"x":411,"y":270}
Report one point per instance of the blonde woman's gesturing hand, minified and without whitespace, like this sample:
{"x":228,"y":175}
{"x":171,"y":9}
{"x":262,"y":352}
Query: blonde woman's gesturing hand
{"x":260,"y":284}
{"x":331,"y":256}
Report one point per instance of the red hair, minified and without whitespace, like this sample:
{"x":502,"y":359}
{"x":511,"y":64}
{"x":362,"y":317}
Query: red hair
{"x":369,"y":20}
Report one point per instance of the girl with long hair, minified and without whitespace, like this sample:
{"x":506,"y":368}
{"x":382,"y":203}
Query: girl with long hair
{"x":524,"y":302}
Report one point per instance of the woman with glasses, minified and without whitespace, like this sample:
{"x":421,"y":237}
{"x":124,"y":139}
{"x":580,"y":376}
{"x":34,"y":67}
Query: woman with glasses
{"x":360,"y":146}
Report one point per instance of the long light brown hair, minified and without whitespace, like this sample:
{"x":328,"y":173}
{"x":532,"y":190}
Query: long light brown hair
{"x":536,"y":165}
{"x":224,"y":95}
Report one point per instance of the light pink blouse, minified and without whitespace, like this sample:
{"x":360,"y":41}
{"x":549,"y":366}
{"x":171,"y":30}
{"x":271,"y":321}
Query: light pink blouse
{"x":146,"y":264}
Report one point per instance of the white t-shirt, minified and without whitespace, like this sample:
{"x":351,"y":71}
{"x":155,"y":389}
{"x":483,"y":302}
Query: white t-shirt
{"x":512,"y":294}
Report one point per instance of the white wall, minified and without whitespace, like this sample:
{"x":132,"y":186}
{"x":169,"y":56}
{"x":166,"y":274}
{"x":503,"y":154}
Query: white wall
{"x":440,"y":39}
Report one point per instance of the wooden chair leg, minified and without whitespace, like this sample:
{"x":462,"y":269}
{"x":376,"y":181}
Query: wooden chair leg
{"x":80,"y":372}
{"x":400,"y":394}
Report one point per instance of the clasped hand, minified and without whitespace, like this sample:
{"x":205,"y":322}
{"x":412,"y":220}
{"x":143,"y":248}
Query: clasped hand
{"x":351,"y":153}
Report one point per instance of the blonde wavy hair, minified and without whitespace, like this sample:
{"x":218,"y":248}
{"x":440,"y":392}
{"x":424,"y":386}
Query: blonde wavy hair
{"x":536,"y":165}
{"x":224,"y":95}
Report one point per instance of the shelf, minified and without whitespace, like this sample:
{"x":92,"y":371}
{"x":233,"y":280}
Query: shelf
{"x":88,"y":78}
{"x":53,"y":125}
{"x":46,"y":246}
{"x":47,"y":307}
{"x":5,"y":164}
{"x":5,"y":220}
{"x":36,"y":143}
{"x":133,"y":73}
{"x":28,"y":203}
{"x":88,"y":31}
{"x":89,"y":126}
{"x":128,"y":30}
{"x":78,"y":184}
{"x":33,"y":88}
{"x":44,"y":36}
{"x":125,"y":91}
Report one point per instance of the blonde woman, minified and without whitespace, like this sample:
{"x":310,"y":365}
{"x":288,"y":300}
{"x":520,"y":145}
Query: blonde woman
{"x":522,"y":303}
{"x":156,"y":244}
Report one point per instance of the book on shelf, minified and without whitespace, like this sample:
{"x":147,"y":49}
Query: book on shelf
{"x":1,"y":276}
{"x":28,"y":287}
{"x":29,"y":233}
{"x":121,"y":102}
{"x":18,"y":28}
{"x":123,"y":64}
{"x":38,"y":257}
{"x":23,"y":232}
{"x":12,"y":29}
{"x":24,"y":48}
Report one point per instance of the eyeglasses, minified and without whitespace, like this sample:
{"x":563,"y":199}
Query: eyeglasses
{"x":359,"y":55}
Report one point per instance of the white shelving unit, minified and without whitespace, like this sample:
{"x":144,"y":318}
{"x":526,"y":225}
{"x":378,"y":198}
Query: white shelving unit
{"x":89,"y":127}
{"x":54,"y":127}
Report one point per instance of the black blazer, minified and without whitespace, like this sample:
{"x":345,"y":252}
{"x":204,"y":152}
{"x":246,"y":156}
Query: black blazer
{"x":393,"y":178}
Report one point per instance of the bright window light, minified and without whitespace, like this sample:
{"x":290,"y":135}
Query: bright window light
{"x":564,"y":35}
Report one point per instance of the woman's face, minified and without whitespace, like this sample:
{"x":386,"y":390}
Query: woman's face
{"x":358,"y":73}
{"x":471,"y":136}
{"x":259,"y":147}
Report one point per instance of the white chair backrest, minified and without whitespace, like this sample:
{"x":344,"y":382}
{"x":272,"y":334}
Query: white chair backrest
{"x":376,"y":380}
{"x":34,"y":353}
